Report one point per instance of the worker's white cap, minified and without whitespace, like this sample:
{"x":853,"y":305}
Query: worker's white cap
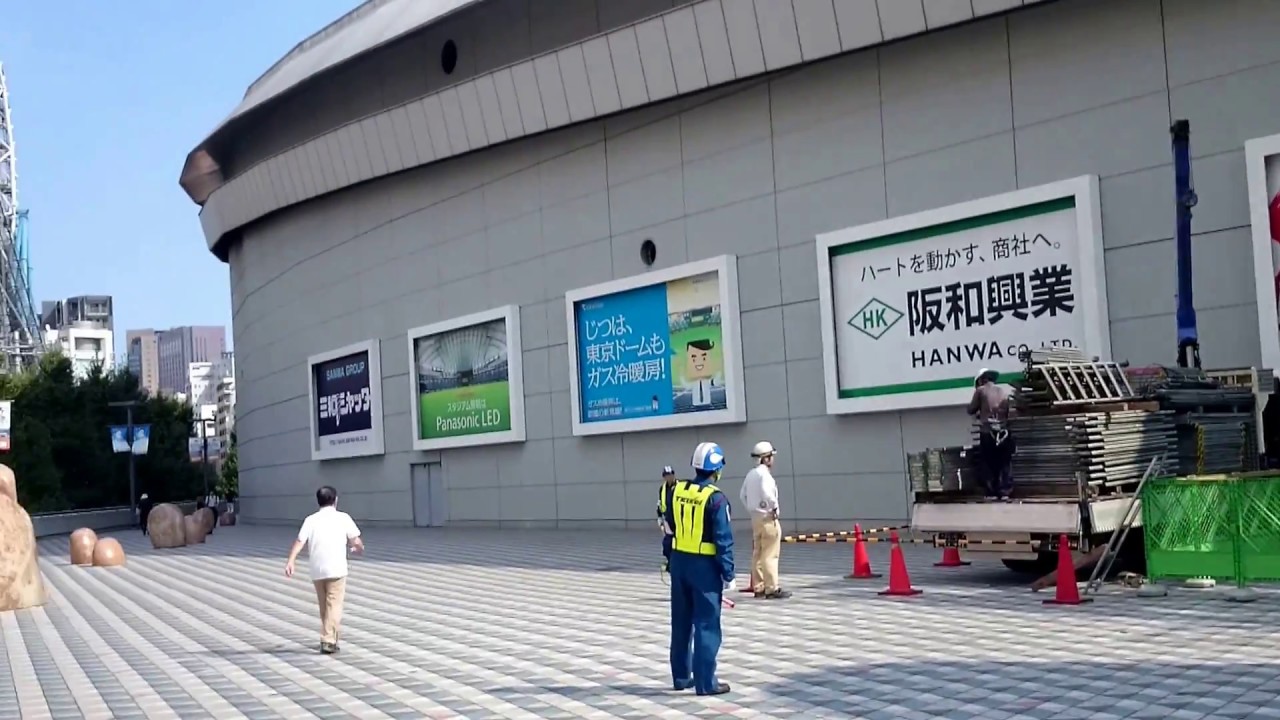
{"x":763,"y":448}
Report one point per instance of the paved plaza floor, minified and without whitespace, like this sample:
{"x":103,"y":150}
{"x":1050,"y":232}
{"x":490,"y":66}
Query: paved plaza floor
{"x":526,"y":624}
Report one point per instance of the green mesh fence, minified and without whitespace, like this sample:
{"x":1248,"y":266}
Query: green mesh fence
{"x":1223,"y":526}
{"x":1259,"y":512}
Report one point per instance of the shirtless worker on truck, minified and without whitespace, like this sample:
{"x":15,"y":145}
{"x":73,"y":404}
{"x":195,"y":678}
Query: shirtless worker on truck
{"x":990,"y":405}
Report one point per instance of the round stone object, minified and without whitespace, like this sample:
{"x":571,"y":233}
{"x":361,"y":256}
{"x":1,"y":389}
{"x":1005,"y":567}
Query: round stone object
{"x":227,"y":518}
{"x":206,"y":519}
{"x":82,"y":542}
{"x":20,"y":582}
{"x":193,"y":527}
{"x":8,"y":485}
{"x":164,"y":525}
{"x":108,"y":553}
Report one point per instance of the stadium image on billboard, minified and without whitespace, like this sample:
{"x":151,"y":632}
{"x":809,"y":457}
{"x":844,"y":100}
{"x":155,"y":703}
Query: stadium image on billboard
{"x":466,"y":390}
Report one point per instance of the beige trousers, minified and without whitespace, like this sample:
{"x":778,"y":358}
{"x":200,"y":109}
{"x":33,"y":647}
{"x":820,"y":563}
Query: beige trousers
{"x":330,"y":593}
{"x":766,"y":545}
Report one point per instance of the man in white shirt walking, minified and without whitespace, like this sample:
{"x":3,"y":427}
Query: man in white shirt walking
{"x":760,"y":496}
{"x":327,"y":533}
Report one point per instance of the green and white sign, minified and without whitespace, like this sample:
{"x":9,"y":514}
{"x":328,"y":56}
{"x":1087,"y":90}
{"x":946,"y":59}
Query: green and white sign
{"x":914,"y":307}
{"x":466,"y":381}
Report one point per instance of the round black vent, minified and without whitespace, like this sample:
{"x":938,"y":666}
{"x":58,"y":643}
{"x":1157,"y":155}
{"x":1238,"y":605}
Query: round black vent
{"x":648,"y":252}
{"x":448,"y":57}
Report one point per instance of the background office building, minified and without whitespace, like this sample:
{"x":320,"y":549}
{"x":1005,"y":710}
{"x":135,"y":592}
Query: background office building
{"x":177,"y":348}
{"x":143,"y":356}
{"x":406,"y":168}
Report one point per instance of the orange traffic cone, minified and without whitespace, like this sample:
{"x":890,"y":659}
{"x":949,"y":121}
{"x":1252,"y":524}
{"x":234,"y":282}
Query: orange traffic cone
{"x":899,"y":581}
{"x":951,"y":558}
{"x":1067,"y":593}
{"x":861,"y":563}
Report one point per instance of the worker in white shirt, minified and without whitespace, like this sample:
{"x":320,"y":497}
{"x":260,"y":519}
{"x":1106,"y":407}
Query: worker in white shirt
{"x":760,"y":496}
{"x":328,"y":534}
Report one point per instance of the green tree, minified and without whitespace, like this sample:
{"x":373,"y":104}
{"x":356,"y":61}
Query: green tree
{"x":61,"y":451}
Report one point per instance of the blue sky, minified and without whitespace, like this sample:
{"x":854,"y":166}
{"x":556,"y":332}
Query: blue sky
{"x":107,"y":99}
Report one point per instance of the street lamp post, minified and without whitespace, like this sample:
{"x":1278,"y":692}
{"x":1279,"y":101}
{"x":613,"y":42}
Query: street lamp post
{"x":204,"y":452}
{"x":128,"y":406}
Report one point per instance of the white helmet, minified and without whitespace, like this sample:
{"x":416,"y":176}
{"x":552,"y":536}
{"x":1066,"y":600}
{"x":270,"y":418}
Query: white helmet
{"x":763,"y":449}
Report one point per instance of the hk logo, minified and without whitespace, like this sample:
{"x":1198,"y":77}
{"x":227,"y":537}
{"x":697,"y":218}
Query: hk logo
{"x":874,"y":319}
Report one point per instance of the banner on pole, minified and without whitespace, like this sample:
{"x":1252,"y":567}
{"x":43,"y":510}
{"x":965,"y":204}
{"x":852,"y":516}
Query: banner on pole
{"x":6,"y":422}
{"x":141,"y":439}
{"x":122,"y":443}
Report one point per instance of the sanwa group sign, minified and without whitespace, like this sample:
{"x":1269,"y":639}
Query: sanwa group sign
{"x":914,"y":307}
{"x":345,"y":388}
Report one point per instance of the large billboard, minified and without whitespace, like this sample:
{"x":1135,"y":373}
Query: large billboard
{"x":1262,"y":160}
{"x":658,"y":350}
{"x":346,"y":402}
{"x":466,"y":381}
{"x":914,"y":307}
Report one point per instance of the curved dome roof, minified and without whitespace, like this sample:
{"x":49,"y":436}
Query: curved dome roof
{"x":373,"y":23}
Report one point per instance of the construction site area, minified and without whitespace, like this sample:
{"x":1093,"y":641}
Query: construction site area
{"x":539,"y":624}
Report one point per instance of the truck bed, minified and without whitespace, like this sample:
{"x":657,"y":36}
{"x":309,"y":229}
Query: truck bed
{"x":1043,"y":516}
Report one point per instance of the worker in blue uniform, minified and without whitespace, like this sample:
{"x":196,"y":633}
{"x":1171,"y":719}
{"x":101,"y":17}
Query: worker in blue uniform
{"x":701,"y":570}
{"x":664,"y":499}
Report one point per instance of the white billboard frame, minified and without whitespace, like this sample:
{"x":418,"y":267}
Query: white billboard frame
{"x":510,"y":314}
{"x":726,"y":267}
{"x":1256,"y":153}
{"x":1088,"y":214}
{"x":377,"y":443}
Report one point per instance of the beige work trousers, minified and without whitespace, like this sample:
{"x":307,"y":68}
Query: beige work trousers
{"x":330,"y":593}
{"x":766,"y":545}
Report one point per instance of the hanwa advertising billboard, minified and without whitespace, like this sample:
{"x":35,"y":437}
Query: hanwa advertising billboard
{"x":346,"y":402}
{"x":466,"y":381}
{"x":659,"y":350}
{"x":914,"y":307}
{"x":1262,"y":159}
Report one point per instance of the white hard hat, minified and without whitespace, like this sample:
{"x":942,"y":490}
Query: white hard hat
{"x":981,"y":372}
{"x":762,"y":448}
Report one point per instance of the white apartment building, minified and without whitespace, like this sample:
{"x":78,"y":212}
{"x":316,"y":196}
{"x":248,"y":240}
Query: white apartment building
{"x":85,"y":344}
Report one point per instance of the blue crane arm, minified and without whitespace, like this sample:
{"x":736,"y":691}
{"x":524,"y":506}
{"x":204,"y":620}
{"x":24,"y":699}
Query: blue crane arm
{"x":1184,"y":200}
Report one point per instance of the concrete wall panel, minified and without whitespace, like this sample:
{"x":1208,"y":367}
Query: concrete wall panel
{"x":756,"y":170}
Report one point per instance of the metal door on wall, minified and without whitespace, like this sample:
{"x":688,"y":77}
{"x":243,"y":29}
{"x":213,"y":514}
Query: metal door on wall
{"x":430,"y":507}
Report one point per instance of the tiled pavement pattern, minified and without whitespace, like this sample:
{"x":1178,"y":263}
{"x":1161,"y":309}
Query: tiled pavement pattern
{"x":525,"y":624}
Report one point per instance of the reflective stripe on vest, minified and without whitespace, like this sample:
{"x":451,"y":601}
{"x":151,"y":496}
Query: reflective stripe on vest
{"x":689,"y":508}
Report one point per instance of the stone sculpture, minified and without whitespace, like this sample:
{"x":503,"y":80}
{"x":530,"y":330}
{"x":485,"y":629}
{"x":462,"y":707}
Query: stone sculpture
{"x":8,"y":485}
{"x":20,"y":583}
{"x":206,"y":519}
{"x":193,"y":528}
{"x":82,"y":543}
{"x":165,"y":526}
{"x":108,"y":553}
{"x":227,"y":518}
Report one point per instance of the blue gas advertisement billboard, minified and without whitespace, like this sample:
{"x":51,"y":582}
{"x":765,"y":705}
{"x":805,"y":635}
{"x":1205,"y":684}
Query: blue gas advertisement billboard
{"x":655,"y":352}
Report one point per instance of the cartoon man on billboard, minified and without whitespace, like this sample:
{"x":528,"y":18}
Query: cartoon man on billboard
{"x":700,"y":371}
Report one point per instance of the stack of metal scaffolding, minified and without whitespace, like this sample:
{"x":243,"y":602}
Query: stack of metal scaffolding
{"x":941,"y":470}
{"x":1216,"y":425}
{"x":1076,"y":428}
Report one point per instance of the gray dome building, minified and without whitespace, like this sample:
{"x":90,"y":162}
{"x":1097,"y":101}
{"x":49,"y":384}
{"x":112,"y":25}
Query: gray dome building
{"x":500,"y":261}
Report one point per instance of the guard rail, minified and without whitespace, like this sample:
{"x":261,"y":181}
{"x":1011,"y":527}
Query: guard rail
{"x":110,"y":518}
